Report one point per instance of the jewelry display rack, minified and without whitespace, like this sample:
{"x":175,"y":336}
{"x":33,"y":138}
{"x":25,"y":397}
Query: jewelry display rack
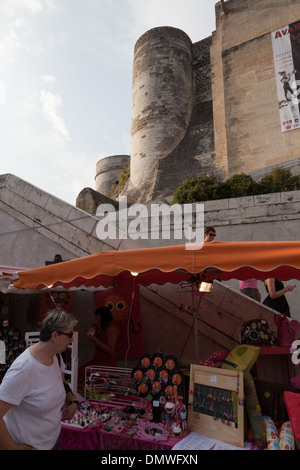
{"x":113,"y":385}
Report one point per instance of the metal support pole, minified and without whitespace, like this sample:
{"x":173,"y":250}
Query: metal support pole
{"x":196,"y":342}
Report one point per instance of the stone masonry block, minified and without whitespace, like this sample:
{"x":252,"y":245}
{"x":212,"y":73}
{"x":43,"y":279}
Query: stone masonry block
{"x":58,"y":207}
{"x":264,"y":199}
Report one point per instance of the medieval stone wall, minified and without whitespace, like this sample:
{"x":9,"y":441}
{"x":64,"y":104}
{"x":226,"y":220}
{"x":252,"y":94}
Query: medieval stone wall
{"x":209,"y":108}
{"x":248,"y":133}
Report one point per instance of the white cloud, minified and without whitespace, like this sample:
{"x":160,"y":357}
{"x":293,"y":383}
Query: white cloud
{"x":19,"y":23}
{"x":52,"y":6}
{"x":10,"y":43}
{"x":49,"y":163}
{"x":68,"y":180}
{"x":11,"y":7}
{"x":28,"y":106}
{"x":189,"y":16}
{"x":17,"y":26}
{"x":71,"y":172}
{"x":49,"y":79}
{"x":50,"y":104}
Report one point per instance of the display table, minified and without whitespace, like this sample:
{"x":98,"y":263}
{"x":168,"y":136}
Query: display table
{"x":98,"y":439}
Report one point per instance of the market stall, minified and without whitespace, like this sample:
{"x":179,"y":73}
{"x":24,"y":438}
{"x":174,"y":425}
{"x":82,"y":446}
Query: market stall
{"x":216,"y":260}
{"x":174,"y":264}
{"x":132,"y":409}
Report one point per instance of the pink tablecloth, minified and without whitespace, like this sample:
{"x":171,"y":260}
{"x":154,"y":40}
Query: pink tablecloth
{"x":98,"y":439}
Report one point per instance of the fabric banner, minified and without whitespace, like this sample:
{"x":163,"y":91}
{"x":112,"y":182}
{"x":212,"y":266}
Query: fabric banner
{"x":286,"y":52}
{"x":125,"y":307}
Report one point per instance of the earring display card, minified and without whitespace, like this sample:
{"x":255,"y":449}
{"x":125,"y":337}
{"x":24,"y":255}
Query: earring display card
{"x":216,"y":404}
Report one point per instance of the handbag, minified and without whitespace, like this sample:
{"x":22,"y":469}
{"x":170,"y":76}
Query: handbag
{"x":257,"y":332}
{"x":286,"y":330}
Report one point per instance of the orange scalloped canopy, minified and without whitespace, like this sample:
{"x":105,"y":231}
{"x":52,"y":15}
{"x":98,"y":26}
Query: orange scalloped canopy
{"x":218,"y":259}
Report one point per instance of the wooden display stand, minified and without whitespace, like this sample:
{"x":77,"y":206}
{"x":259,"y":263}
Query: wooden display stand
{"x":216,"y":404}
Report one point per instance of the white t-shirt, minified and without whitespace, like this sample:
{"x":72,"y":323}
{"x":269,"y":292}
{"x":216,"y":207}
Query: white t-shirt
{"x":38,"y":394}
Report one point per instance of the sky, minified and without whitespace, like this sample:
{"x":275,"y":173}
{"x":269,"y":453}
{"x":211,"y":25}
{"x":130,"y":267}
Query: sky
{"x":66,"y":82}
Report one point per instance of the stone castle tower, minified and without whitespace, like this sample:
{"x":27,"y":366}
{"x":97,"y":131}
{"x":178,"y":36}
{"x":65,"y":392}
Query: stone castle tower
{"x":208,"y":108}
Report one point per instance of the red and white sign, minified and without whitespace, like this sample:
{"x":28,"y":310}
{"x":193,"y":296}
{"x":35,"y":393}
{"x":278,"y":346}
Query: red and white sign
{"x":286,"y":52}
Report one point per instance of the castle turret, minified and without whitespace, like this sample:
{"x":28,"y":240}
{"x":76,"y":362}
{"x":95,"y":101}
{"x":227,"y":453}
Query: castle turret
{"x":162,"y":100}
{"x":108,"y":172}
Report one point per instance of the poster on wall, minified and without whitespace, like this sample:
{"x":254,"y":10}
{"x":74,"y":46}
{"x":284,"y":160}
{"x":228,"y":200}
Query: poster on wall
{"x":286,"y":52}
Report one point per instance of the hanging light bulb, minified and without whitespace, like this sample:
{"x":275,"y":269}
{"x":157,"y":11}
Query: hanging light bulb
{"x":205,"y":286}
{"x":134,"y":273}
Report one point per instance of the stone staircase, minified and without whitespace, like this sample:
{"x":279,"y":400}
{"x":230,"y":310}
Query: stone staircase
{"x":168,"y":316}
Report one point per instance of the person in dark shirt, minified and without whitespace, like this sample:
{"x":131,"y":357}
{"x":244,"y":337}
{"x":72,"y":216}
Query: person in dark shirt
{"x":276,"y":296}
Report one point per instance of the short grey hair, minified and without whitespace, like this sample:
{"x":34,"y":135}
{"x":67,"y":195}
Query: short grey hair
{"x":56,"y":320}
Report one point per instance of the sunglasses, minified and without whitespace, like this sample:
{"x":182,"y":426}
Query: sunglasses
{"x":69,"y":335}
{"x":212,"y":234}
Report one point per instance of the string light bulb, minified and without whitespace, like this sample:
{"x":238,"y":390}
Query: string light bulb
{"x":205,"y":286}
{"x":134,"y":273}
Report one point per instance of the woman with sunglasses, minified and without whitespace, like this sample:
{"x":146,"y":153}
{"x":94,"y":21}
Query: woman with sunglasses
{"x":32,"y":393}
{"x":209,"y":234}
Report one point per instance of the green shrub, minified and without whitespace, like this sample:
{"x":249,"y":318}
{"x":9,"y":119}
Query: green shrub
{"x":196,"y":190}
{"x":209,"y":188}
{"x":278,"y":181}
{"x":241,"y":185}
